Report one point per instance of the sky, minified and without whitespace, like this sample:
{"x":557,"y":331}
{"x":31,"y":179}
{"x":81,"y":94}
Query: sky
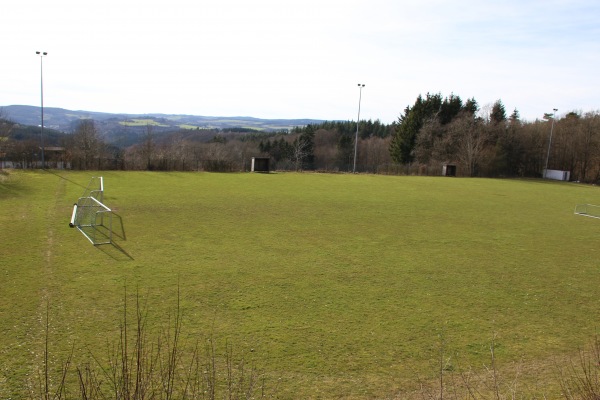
{"x":300,"y":59}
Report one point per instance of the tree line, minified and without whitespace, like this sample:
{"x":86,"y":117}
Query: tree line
{"x":433,"y":132}
{"x":487,"y":142}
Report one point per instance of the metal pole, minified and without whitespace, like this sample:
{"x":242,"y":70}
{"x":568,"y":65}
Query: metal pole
{"x":550,"y":141}
{"x":42,"y":54}
{"x":360,"y":86}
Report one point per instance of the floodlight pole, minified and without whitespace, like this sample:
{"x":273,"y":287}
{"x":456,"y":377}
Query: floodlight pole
{"x":550,"y":141}
{"x":42,"y":55}
{"x":360,"y":87}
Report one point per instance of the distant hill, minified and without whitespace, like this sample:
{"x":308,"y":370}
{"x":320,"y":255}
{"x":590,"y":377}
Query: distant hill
{"x":120,"y":125}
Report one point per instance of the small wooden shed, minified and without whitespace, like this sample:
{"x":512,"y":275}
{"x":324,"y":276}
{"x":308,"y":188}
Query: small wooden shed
{"x":260,"y":164}
{"x":449,"y":170}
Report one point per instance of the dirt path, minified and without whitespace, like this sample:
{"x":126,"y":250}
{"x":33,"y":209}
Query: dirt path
{"x":49,"y":297}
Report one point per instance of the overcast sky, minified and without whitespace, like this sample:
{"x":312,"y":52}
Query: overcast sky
{"x":300,"y":59}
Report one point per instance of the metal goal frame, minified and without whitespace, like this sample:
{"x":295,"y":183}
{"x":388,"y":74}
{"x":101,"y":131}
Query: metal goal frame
{"x":91,"y":216}
{"x":588,"y":210}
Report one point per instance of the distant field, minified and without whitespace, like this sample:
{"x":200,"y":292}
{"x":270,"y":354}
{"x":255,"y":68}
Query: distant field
{"x":141,"y":122}
{"x":338,"y":286}
{"x":214,"y":124}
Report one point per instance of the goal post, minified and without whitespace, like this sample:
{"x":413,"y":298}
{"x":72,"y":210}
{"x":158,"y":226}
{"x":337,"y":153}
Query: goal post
{"x":73,"y":215}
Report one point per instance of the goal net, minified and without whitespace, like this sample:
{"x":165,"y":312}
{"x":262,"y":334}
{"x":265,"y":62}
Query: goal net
{"x":91,"y":216}
{"x":95,"y":188}
{"x":588,"y":210}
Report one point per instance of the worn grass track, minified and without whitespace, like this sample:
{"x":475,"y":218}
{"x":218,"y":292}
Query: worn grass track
{"x":338,"y":285}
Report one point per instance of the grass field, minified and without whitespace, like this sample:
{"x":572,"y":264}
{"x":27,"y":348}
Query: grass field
{"x":337,"y":286}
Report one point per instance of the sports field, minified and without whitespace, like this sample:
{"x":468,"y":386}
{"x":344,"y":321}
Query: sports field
{"x":335,"y":286}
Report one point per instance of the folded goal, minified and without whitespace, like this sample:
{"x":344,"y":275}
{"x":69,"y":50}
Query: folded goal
{"x":91,"y":216}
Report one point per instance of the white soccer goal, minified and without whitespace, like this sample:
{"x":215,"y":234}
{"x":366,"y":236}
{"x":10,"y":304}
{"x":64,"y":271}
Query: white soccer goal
{"x":92,"y":217}
{"x":588,"y":210}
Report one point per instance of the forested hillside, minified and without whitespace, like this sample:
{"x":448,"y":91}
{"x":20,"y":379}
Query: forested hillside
{"x":434,"y":131}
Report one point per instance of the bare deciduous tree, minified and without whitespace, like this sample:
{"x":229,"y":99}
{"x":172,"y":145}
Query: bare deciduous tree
{"x":147,"y":148}
{"x":586,"y":147}
{"x":301,"y":149}
{"x":374,"y":152}
{"x":470,"y":140}
{"x":326,"y":149}
{"x":6,"y":127}
{"x":87,"y":145}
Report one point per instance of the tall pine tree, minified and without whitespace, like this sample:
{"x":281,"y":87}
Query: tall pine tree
{"x":404,"y":140}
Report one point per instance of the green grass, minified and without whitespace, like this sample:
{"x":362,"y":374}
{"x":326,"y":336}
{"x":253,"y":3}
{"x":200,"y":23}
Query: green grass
{"x":338,"y":285}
